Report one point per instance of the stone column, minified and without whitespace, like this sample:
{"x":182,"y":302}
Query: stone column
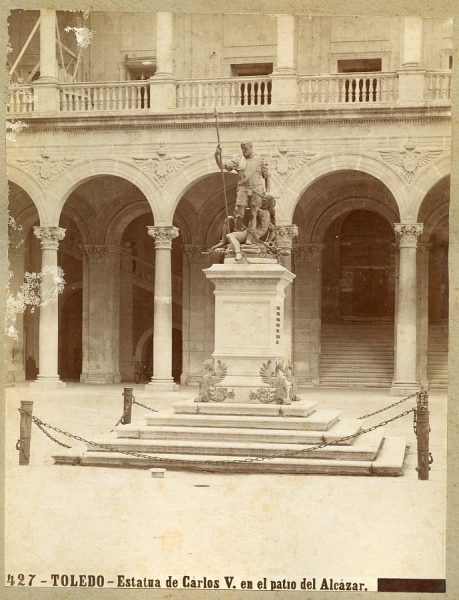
{"x":162,"y":84}
{"x":284,"y":79}
{"x":48,"y":338}
{"x":423,"y":310}
{"x":285,"y":235}
{"x":411,"y":75}
{"x":162,"y":318}
{"x":405,"y":377}
{"x":198,"y":333}
{"x":45,"y":89}
{"x":307,"y":323}
{"x":101,"y":315}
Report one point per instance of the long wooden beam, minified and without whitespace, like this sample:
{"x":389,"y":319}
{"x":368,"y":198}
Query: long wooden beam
{"x":24,"y":48}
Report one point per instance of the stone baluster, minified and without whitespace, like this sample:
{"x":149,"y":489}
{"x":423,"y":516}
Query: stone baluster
{"x":48,"y":338}
{"x":162,"y":319}
{"x":285,"y":235}
{"x":405,"y":377}
{"x":307,"y":325}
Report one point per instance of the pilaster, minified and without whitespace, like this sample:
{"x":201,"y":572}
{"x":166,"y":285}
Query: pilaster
{"x":284,"y":78}
{"x":307,"y":324}
{"x":162,"y":84}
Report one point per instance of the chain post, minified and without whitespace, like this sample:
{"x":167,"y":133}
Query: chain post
{"x":127,"y":406}
{"x":25,"y":431}
{"x":422,"y":430}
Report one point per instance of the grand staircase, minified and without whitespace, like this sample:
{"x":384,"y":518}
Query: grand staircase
{"x":246,"y":438}
{"x":437,"y":356}
{"x":357,"y":354}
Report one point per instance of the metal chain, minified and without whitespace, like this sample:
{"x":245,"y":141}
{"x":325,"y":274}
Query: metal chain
{"x":134,"y":401}
{"x":389,"y":406}
{"x":150,"y":457}
{"x":41,"y":427}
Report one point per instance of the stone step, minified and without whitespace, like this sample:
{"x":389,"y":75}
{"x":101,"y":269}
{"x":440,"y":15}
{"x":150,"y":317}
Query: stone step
{"x":344,"y":384}
{"x":365,"y":447}
{"x":320,"y":420}
{"x":389,"y":462}
{"x":302,"y":408}
{"x":229,"y":434}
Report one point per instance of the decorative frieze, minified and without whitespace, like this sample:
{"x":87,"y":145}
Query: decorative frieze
{"x":162,"y":165}
{"x":45,"y":167}
{"x":163,"y":234}
{"x":407,"y":234}
{"x":49,"y":236}
{"x":409,"y":159}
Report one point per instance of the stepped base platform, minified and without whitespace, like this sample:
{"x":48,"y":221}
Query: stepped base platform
{"x":246,"y":438}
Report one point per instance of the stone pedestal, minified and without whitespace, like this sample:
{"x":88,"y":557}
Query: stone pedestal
{"x":249,"y":320}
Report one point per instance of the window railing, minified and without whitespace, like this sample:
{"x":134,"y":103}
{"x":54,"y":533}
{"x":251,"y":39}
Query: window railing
{"x":349,"y":89}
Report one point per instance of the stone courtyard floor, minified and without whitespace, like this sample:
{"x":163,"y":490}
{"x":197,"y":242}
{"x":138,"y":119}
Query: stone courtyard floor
{"x":92,"y":520}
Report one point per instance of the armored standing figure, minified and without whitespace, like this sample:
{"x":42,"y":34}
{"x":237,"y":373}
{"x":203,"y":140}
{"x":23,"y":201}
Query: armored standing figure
{"x":253,"y":182}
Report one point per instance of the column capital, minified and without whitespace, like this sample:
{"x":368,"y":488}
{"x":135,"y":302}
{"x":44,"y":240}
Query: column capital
{"x":95,"y":252}
{"x":307,"y":252}
{"x":424,"y":248}
{"x":49,"y":236}
{"x":163,"y":234}
{"x":195,"y":252}
{"x":285,"y":235}
{"x":407,"y":234}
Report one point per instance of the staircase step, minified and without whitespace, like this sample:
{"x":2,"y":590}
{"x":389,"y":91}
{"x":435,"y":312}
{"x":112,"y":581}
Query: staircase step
{"x":389,"y":462}
{"x":319,"y":420}
{"x":301,"y":408}
{"x":230,"y":434}
{"x":365,"y":448}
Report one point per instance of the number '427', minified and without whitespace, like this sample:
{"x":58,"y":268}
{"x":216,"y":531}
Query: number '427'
{"x":20,"y":580}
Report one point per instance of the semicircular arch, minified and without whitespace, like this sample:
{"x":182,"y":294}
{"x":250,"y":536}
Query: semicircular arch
{"x":296,"y":185}
{"x":31,"y":187}
{"x":69,"y":180}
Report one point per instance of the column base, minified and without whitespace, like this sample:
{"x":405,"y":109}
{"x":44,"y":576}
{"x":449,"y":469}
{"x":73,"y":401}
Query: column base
{"x":162,"y":385}
{"x":49,"y":382}
{"x":404,"y":388}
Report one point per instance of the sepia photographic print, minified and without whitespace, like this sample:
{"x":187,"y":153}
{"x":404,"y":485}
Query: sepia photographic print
{"x":228,"y":241}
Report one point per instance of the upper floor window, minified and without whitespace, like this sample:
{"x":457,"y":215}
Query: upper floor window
{"x":251,"y":69}
{"x":359,"y":65}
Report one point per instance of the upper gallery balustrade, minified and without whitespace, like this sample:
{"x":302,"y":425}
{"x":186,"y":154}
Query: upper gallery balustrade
{"x":358,"y":90}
